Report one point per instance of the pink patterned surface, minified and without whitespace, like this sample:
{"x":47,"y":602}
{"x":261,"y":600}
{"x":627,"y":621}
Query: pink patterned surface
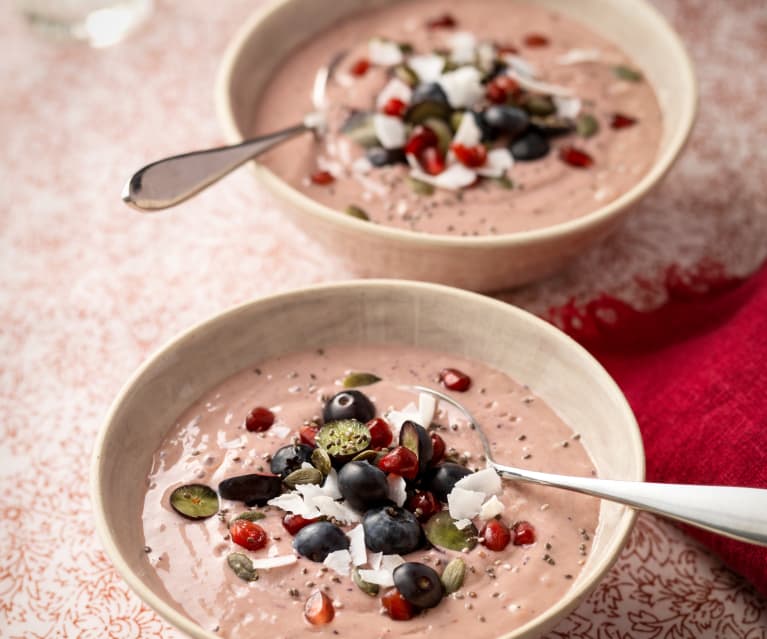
{"x":90,"y":289}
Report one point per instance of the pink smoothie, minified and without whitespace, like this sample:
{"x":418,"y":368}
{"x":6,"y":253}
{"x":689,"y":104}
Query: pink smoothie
{"x":546,"y":192}
{"x":502,"y":590}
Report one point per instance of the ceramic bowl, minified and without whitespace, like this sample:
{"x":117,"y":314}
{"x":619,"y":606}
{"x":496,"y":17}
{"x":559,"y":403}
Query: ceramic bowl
{"x":485,"y":263}
{"x":377,"y":311}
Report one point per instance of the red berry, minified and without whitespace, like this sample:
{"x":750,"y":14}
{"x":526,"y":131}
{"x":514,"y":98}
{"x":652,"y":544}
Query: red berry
{"x":259,"y":419}
{"x":536,"y":40}
{"x":423,"y":504}
{"x":322,"y":177}
{"x":395,"y":107}
{"x":421,"y":138}
{"x":400,"y":461}
{"x":438,"y":447}
{"x":294,"y":523}
{"x":496,"y":535}
{"x":454,"y":380}
{"x":445,"y":21}
{"x":432,"y":160}
{"x":471,"y":156}
{"x":248,"y":534}
{"x":524,"y":533}
{"x":308,"y":433}
{"x":360,"y":67}
{"x":575,"y":157}
{"x":500,"y":88}
{"x":318,"y":609}
{"x":397,"y":607}
{"x":621,"y":121}
{"x":380,"y":432}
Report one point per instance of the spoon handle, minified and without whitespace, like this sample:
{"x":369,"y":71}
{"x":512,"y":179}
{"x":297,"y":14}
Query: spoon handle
{"x":740,"y":513}
{"x":167,"y":182}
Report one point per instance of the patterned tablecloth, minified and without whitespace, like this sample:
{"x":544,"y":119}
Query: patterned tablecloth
{"x":90,"y":289}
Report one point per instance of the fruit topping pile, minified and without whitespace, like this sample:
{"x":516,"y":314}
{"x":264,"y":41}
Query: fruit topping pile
{"x":359,"y":493}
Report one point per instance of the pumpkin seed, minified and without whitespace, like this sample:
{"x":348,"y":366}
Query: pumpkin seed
{"x":627,"y":73}
{"x":250,"y":515}
{"x":539,"y":105}
{"x":442,"y":130}
{"x":364,"y":586}
{"x":359,"y":127}
{"x":453,"y":575}
{"x":194,"y":501}
{"x":441,"y":531}
{"x":422,"y":111}
{"x":455,"y":120}
{"x":406,"y":74}
{"x":356,"y":211}
{"x":321,"y":460}
{"x":368,"y":455}
{"x":303,"y":476}
{"x":419,"y":187}
{"x":242,"y":566}
{"x":353,"y":380}
{"x":504,"y":181}
{"x":586,"y":125}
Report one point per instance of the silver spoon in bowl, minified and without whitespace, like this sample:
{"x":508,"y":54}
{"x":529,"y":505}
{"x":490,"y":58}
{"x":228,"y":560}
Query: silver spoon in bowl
{"x":172,"y":180}
{"x":739,"y":513}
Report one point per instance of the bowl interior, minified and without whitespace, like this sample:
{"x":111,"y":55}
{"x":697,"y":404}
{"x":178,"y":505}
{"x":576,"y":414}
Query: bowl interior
{"x":527,"y":348}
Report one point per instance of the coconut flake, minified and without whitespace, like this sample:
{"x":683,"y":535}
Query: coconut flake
{"x":362,"y":166}
{"x":520,"y":65}
{"x":454,"y":177}
{"x":498,"y":162}
{"x":486,"y":56}
{"x":577,"y":56}
{"x":265,"y":563}
{"x":485,"y":481}
{"x":339,"y":561}
{"x":428,"y":68}
{"x":336,"y":510}
{"x":567,"y":107}
{"x":395,"y":88}
{"x":397,"y":491}
{"x":292,"y":502}
{"x":330,"y":487}
{"x":374,"y":560}
{"x":463,"y":87}
{"x":468,"y":133}
{"x":427,"y":406}
{"x":464,"y":504}
{"x":379,"y":577}
{"x":491,"y":508}
{"x":410,"y":413}
{"x":390,"y":131}
{"x":462,"y":523}
{"x":384,"y":52}
{"x":537,"y":86}
{"x":359,"y":555}
{"x":390,"y":562}
{"x":281,"y":430}
{"x":463,"y":47}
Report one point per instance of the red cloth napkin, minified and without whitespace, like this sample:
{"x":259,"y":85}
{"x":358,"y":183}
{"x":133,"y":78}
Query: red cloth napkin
{"x":695,"y":373}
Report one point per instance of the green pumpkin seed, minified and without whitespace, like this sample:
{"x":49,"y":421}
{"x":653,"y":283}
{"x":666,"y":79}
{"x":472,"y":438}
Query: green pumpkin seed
{"x":368,"y":455}
{"x":359,"y":127}
{"x":455,"y":120}
{"x":303,"y":476}
{"x":627,"y":73}
{"x":364,"y":586}
{"x":354,"y":380}
{"x":453,"y":575}
{"x":586,"y":125}
{"x":419,"y":187}
{"x":443,"y":131}
{"x":242,"y":566}
{"x":343,"y":439}
{"x":418,"y":113}
{"x":406,"y":48}
{"x":552,"y":125}
{"x":504,"y":182}
{"x":250,"y":515}
{"x":540,"y":105}
{"x":194,"y":501}
{"x":321,"y":460}
{"x":356,"y":211}
{"x":406,"y":74}
{"x":441,"y":531}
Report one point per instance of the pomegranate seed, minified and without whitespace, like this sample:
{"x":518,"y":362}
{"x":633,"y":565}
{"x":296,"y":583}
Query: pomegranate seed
{"x":438,"y":446}
{"x":620,"y":121}
{"x":445,"y":21}
{"x":259,"y":419}
{"x":322,"y":177}
{"x":495,"y":535}
{"x":471,"y":156}
{"x":536,"y":40}
{"x":400,"y":461}
{"x":248,"y":534}
{"x":395,"y":107}
{"x":360,"y":67}
{"x":318,"y":609}
{"x":432,"y":161}
{"x":454,"y":380}
{"x":294,"y":523}
{"x":524,"y":533}
{"x":380,"y":432}
{"x":500,"y":88}
{"x":308,"y":433}
{"x":423,"y":504}
{"x":421,"y":138}
{"x":575,"y":157}
{"x":397,"y":606}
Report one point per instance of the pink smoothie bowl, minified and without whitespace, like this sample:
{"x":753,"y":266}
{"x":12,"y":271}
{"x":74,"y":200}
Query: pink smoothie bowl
{"x":483,"y":263}
{"x":528,"y":349}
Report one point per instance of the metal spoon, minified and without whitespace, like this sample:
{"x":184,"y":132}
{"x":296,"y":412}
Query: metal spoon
{"x":740,"y":513}
{"x":168,"y":182}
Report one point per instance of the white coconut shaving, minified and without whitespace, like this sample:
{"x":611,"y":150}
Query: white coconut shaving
{"x":281,"y":430}
{"x":567,"y":107}
{"x":486,"y":54}
{"x":468,"y":133}
{"x":397,"y":489}
{"x":293,"y":502}
{"x":379,"y":577}
{"x":428,"y":68}
{"x":357,"y":550}
{"x":520,"y":65}
{"x":536,"y":86}
{"x":384,"y":52}
{"x":485,"y":481}
{"x":389,"y":130}
{"x":463,"y":47}
{"x":339,"y":561}
{"x":362,"y":166}
{"x":454,"y":177}
{"x":410,"y":413}
{"x":498,"y":162}
{"x":461,"y":524}
{"x":464,"y":504}
{"x":579,"y":56}
{"x":336,"y":510}
{"x":267,"y":563}
{"x":491,"y":508}
{"x":330,"y":486}
{"x":390,"y":562}
{"x":463,"y":87}
{"x":427,"y":407}
{"x":374,"y":560}
{"x":395,"y":88}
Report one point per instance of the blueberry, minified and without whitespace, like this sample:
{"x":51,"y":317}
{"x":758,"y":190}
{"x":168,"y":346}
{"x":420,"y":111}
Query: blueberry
{"x":416,"y":438}
{"x":254,"y":489}
{"x":391,"y":530}
{"x":419,"y":584}
{"x":289,"y":458}
{"x":442,"y":478}
{"x":349,"y":404}
{"x":362,"y":485}
{"x":316,"y":541}
{"x":530,"y":146}
{"x":506,"y":119}
{"x":428,"y":92}
{"x":378,"y":156}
